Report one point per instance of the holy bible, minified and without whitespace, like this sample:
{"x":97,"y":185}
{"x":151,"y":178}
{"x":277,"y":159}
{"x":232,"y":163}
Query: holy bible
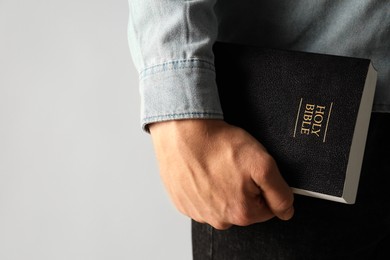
{"x":311,"y":111}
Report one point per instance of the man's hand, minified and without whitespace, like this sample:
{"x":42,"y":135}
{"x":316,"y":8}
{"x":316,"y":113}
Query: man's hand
{"x":219,"y":174}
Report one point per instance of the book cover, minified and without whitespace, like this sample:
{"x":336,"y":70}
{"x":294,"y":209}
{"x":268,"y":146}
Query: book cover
{"x":311,"y":111}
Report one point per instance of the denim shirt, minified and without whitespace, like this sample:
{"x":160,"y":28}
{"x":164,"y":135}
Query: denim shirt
{"x":171,"y":44}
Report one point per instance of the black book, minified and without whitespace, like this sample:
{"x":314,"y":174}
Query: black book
{"x":311,"y":111}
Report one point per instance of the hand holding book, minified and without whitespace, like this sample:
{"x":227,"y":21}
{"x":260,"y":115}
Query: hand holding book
{"x":219,"y":174}
{"x":311,"y":111}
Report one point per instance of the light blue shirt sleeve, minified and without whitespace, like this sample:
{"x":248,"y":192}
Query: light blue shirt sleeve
{"x":171,"y":46}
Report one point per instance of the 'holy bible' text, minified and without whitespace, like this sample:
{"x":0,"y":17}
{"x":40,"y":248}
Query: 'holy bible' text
{"x":313,"y":119}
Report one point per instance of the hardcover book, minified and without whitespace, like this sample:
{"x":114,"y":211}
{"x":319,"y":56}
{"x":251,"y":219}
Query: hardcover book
{"x":311,"y":111}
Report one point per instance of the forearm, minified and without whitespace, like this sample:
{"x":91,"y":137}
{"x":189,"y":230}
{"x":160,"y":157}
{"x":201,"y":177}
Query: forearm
{"x":214,"y":172}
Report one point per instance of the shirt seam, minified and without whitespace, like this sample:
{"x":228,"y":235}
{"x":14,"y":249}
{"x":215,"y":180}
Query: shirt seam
{"x":177,"y":65}
{"x":172,"y":115}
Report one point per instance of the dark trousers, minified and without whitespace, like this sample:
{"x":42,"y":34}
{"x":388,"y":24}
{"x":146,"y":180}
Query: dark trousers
{"x":320,"y":229}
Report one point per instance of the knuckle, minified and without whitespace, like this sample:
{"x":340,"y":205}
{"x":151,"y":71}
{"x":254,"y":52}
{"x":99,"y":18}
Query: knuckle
{"x":241,"y":217}
{"x":197,"y":218}
{"x":220,"y":225}
{"x":182,"y":210}
{"x":266,"y":169}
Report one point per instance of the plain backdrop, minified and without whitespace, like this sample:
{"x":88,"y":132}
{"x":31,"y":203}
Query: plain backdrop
{"x":78,"y":177}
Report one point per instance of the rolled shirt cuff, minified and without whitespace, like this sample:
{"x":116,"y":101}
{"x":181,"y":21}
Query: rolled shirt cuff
{"x":179,"y":89}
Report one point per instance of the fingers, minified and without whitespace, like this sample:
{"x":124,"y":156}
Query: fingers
{"x":243,"y":214}
{"x":256,"y":212}
{"x":276,"y":192}
{"x":218,"y":174}
{"x":245,"y":207}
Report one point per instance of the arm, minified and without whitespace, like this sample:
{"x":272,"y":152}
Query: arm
{"x":171,"y":45}
{"x":214,"y":172}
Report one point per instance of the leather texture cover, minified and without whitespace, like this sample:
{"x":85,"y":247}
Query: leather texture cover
{"x":301,"y":106}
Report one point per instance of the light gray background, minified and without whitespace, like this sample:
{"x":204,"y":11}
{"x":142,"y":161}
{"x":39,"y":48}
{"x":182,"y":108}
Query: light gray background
{"x":78,"y":178}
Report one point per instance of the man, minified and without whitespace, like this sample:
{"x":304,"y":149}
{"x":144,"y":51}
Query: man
{"x":218,"y":174}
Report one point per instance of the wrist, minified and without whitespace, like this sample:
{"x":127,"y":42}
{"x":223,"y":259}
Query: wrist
{"x":185,"y":125}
